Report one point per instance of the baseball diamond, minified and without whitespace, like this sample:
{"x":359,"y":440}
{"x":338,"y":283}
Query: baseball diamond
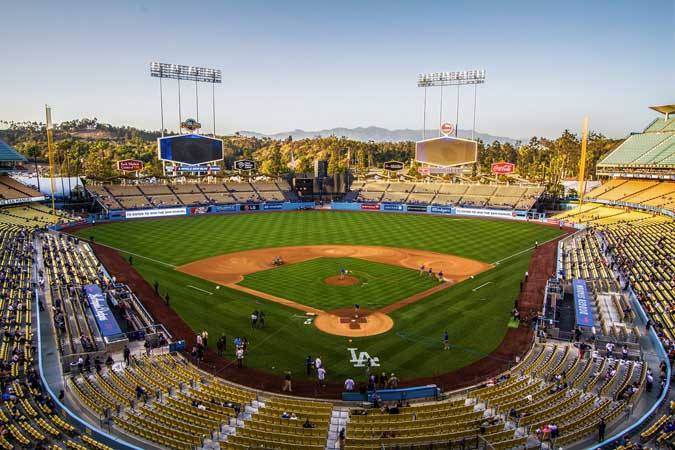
{"x":384,"y":252}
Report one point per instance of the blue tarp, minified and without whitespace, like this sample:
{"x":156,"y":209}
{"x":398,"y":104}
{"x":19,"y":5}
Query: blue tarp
{"x":395,"y":394}
{"x":104,"y":316}
{"x":582,"y":303}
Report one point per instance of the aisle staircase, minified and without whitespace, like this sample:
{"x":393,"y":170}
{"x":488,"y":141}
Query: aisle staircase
{"x":338,"y":420}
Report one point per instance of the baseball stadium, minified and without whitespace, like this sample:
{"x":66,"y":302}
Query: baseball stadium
{"x":257,"y":226}
{"x":236,"y":310}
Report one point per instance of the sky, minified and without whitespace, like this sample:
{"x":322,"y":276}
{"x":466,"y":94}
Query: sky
{"x":317,"y":65}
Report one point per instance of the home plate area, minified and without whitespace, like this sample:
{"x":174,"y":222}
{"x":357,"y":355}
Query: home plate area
{"x":346,"y":322}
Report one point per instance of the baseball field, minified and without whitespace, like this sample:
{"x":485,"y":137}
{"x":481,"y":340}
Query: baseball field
{"x":218,"y":270}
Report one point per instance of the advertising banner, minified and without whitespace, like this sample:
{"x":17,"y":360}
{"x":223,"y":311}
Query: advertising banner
{"x":370,"y":206}
{"x":199,"y":210}
{"x":503,"y":167}
{"x":129,"y":165}
{"x":104,"y":317}
{"x":394,"y":166}
{"x":249,"y":207}
{"x":13,"y":201}
{"x":417,"y":208}
{"x":582,"y":303}
{"x":274,"y":206}
{"x":225,"y":208}
{"x":440,"y":209}
{"x":244,"y":164}
{"x":190,"y":169}
{"x":486,"y":213}
{"x":392,"y":207}
{"x":160,"y":212}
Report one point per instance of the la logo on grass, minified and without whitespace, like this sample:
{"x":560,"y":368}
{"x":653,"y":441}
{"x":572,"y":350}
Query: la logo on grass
{"x":363,"y":358}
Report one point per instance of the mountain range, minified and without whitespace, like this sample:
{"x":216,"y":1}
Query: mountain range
{"x":376,"y":134}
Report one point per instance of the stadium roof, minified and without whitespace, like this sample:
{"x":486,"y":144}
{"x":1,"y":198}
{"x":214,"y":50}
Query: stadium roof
{"x":7,"y":153}
{"x":664,"y":109}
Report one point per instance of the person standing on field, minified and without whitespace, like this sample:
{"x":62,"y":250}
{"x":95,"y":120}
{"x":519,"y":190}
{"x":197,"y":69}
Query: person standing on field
{"x":321,"y":373}
{"x":287,"y":383}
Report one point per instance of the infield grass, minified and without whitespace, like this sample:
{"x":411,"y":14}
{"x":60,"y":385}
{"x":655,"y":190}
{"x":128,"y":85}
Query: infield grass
{"x":476,"y":317}
{"x":380,"y":284}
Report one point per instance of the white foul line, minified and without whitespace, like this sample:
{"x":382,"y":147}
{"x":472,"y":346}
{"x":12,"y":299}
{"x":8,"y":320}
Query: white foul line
{"x":523,"y":251}
{"x":484,"y":284}
{"x":136,"y":254}
{"x":194,"y":287}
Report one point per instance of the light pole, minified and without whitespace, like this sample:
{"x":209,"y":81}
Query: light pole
{"x":441,"y":79}
{"x":186,"y":73}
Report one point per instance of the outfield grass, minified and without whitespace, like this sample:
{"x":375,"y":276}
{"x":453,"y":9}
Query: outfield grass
{"x":379,"y":286}
{"x":476,"y":320}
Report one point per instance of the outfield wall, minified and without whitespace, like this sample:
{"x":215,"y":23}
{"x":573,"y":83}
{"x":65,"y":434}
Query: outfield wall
{"x":432,"y":209}
{"x":183,"y":211}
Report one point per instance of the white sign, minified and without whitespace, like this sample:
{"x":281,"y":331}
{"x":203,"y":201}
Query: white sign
{"x":487,"y":213}
{"x":162,"y":212}
{"x":363,"y":359}
{"x":13,"y":201}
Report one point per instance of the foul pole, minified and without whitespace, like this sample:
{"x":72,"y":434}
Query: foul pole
{"x":50,"y":148}
{"x":582,"y":165}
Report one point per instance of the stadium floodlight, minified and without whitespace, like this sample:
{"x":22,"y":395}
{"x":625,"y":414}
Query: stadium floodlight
{"x":458,"y":78}
{"x":476,"y":76}
{"x":188,"y":73}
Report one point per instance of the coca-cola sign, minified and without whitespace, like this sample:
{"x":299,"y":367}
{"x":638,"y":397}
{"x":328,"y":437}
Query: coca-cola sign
{"x":503,"y":167}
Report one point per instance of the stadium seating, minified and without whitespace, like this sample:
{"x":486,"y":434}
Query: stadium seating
{"x":474,"y":195}
{"x":114,"y":197}
{"x":551,"y":386}
{"x":32,"y":215}
{"x":633,"y":148}
{"x":28,"y":415}
{"x":12,"y":189}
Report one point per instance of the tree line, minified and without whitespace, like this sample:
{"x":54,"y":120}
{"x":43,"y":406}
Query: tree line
{"x":86,"y":147}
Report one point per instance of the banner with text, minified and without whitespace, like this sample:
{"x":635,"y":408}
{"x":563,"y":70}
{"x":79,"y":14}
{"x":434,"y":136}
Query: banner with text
{"x":506,"y":214}
{"x":582,"y":303}
{"x":104,"y":316}
{"x":14,"y":201}
{"x":159,"y":212}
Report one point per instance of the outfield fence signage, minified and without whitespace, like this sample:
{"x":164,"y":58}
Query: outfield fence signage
{"x":159,"y":212}
{"x":273,"y":206}
{"x":370,"y":206}
{"x":249,"y":207}
{"x":225,"y":208}
{"x":102,"y":313}
{"x":485,"y":212}
{"x":441,"y":209}
{"x":392,"y":207}
{"x":416,"y":208}
{"x":199,"y":210}
{"x":362,"y":359}
{"x":582,"y":303}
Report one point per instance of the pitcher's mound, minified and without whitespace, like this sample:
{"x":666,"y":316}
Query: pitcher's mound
{"x":344,"y":322}
{"x":345,"y":281}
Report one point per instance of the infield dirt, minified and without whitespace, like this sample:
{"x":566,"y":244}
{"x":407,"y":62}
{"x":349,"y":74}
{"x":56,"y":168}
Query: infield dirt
{"x":230,"y":269}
